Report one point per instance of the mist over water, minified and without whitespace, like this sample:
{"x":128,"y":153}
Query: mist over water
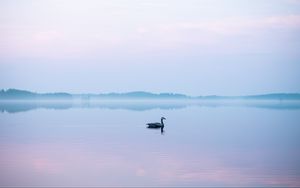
{"x":108,"y":144}
{"x":14,"y":106}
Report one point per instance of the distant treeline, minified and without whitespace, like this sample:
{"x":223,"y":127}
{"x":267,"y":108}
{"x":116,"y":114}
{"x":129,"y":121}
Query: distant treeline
{"x":272,"y":96}
{"x":15,"y":94}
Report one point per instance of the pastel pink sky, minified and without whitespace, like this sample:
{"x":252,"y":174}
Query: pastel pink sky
{"x":107,"y":42}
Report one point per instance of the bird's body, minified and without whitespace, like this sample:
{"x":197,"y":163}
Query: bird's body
{"x":156,"y":125}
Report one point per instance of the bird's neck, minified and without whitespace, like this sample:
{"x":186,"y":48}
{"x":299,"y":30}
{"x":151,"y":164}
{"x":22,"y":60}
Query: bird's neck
{"x":162,"y":122}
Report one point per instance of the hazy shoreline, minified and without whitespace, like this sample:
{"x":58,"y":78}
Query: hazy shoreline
{"x":23,"y":95}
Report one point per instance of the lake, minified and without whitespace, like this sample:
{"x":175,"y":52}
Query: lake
{"x":206,"y":143}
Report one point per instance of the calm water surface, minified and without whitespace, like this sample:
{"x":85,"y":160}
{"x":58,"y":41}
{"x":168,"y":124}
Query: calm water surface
{"x":108,"y":144}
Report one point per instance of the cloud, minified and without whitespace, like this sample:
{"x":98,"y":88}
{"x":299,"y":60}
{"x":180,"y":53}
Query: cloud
{"x":289,"y":21}
{"x":294,"y":1}
{"x":218,"y":34}
{"x":236,"y":26}
{"x":47,"y":36}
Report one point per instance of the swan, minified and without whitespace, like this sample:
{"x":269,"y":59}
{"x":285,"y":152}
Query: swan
{"x":157,"y":125}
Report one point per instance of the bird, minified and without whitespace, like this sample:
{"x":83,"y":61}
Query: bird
{"x":157,"y":125}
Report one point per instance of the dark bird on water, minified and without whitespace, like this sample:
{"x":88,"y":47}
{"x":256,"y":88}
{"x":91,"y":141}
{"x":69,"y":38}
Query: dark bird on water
{"x":157,"y":125}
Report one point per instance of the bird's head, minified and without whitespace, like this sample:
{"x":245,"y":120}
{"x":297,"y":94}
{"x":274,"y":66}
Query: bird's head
{"x":163,"y":118}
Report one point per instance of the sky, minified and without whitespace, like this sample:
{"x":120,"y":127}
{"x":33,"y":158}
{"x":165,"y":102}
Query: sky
{"x":195,"y":47}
